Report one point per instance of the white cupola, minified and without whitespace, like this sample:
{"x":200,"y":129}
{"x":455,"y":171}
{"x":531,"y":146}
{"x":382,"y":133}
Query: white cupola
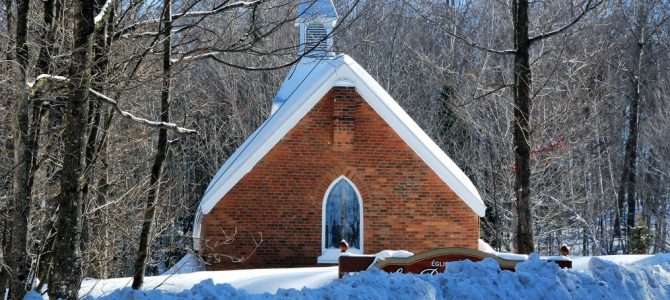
{"x":316,"y":20}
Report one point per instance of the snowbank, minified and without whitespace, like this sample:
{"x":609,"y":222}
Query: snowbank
{"x":622,"y":277}
{"x":485,"y":247}
{"x":188,"y":264}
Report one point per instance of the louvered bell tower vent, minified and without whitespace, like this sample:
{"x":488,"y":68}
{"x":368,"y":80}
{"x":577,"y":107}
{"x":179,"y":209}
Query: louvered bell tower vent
{"x":316,"y":38}
{"x":316,"y":19}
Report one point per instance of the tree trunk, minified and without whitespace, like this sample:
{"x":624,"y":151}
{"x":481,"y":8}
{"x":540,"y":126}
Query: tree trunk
{"x":6,"y":222}
{"x":522,"y":108}
{"x":66,"y":278}
{"x":161,"y":152}
{"x":101,"y":48}
{"x":627,"y":187}
{"x":101,"y":229}
{"x":630,"y":159}
{"x":18,"y":262}
{"x":45,"y":65}
{"x":9,"y":8}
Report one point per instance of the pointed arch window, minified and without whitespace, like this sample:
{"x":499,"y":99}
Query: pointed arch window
{"x":342,"y":220}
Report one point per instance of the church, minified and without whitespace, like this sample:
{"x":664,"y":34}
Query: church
{"x":337,"y":159}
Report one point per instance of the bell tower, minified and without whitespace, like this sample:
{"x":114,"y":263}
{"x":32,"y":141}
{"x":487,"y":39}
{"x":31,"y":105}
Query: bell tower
{"x":316,"y":20}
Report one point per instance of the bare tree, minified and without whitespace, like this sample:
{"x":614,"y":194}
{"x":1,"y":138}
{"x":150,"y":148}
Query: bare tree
{"x":578,"y":70}
{"x":161,"y":149}
{"x":522,"y":88}
{"x":26,"y":135}
{"x":644,"y":20}
{"x":66,"y":276}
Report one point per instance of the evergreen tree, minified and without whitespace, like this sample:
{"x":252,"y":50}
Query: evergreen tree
{"x":640,"y":238}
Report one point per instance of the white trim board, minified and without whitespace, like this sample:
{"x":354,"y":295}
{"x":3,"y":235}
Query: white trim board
{"x":309,"y":87}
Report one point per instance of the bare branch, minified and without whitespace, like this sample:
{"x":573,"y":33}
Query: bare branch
{"x":477,"y":46}
{"x":213,"y":55}
{"x":588,"y":8}
{"x":115,"y":105}
{"x":229,"y":238}
{"x":243,"y":258}
{"x":458,"y":37}
{"x":477,"y":97}
{"x":186,"y":14}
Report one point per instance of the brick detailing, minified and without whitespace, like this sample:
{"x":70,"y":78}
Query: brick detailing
{"x":405,"y":204}
{"x":344,"y":109}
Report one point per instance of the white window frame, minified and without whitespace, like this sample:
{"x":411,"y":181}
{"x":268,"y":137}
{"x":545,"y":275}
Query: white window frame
{"x":331,"y":256}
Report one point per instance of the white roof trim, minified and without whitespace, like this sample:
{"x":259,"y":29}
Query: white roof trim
{"x":331,"y":72}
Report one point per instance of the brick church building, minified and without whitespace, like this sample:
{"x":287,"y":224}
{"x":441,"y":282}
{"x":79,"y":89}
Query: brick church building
{"x":337,"y":159}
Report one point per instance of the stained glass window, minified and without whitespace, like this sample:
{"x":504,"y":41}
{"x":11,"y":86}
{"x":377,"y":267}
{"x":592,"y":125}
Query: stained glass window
{"x":343,"y":216}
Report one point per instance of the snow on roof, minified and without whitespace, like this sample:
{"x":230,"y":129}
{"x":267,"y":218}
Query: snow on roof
{"x":316,"y":8}
{"x":298,"y":74}
{"x":307,"y":83}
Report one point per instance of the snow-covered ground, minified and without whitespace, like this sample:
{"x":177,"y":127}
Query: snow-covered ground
{"x":605,"y":277}
{"x":253,"y":281}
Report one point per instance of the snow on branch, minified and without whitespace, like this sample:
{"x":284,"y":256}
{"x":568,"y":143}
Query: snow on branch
{"x":104,"y":12}
{"x":44,"y":82}
{"x":130,"y":28}
{"x":115,"y":104}
{"x":48,"y":81}
{"x":217,"y":10}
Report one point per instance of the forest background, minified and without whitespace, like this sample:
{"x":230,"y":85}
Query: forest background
{"x":116,"y":114}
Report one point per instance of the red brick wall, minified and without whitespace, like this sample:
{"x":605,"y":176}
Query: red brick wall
{"x":405,"y":204}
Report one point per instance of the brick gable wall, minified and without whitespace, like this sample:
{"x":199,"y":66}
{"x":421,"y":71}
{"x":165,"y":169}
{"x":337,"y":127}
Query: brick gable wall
{"x":405,"y":204}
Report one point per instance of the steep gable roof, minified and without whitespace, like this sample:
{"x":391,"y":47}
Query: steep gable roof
{"x":305,"y":85}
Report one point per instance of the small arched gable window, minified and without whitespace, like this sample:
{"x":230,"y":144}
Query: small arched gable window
{"x":342,"y":220}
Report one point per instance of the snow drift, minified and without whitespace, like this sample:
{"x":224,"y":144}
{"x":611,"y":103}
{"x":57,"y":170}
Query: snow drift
{"x":593,"y":278}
